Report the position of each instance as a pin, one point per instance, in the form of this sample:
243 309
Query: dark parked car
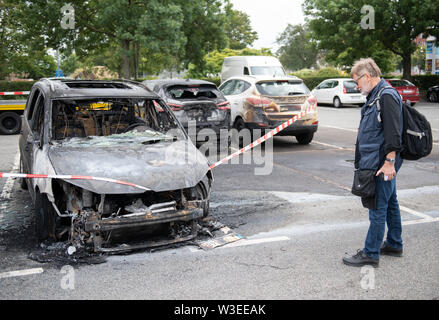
109 129
406 89
196 100
433 94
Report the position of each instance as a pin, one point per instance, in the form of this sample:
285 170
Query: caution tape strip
225 160
67 177
14 93
265 137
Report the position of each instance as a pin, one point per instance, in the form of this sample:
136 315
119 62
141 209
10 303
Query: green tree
238 28
297 50
338 27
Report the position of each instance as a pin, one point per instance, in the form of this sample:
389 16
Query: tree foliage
336 24
297 50
127 36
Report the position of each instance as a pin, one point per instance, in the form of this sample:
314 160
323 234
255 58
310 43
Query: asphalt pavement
297 222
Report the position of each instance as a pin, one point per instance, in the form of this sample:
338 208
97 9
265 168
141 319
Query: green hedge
423 82
6 86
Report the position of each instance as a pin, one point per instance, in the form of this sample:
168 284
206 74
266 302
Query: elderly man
377 148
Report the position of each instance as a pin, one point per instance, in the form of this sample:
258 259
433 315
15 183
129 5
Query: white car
338 92
265 102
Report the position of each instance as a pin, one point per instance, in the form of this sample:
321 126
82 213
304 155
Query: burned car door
32 132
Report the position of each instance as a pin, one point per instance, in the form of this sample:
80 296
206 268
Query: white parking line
19 273
415 213
9 184
332 145
339 128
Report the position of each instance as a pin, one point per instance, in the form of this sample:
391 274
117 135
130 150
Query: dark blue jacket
369 152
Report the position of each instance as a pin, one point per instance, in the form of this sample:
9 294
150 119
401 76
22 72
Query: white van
251 66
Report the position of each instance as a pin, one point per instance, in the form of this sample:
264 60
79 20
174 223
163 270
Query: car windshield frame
401 83
280 84
152 122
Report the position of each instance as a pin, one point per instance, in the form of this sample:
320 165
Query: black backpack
417 138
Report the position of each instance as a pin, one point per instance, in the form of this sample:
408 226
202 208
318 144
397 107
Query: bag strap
377 100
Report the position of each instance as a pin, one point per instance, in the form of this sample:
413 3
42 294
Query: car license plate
407 91
355 97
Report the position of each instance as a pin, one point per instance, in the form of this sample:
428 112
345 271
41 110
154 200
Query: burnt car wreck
118 130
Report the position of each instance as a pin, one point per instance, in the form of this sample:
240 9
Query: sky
269 18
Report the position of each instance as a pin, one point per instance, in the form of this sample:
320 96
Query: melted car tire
44 217
10 123
305 138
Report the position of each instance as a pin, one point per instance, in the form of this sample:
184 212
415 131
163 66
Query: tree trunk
126 59
407 66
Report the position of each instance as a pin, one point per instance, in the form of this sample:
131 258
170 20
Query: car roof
339 79
173 82
255 79
71 88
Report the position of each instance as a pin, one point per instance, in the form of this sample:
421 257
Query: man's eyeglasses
359 79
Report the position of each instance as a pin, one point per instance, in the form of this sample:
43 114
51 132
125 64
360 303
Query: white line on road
339 128
413 212
9 184
20 273
332 145
409 222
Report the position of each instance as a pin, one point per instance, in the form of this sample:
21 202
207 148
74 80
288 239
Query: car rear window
401 83
282 88
180 92
351 87
265 70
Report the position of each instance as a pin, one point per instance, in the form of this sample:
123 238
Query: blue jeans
387 210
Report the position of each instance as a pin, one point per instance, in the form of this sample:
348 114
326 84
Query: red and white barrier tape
226 159
265 137
73 177
14 93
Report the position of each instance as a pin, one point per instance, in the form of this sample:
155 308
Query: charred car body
109 129
195 100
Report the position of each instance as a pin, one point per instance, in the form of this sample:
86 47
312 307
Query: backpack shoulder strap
377 101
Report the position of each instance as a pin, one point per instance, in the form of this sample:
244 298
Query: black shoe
361 259
390 251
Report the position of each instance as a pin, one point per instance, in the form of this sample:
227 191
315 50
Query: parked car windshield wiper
293 93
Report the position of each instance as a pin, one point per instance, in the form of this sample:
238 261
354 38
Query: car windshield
192 92
265 70
401 83
282 88
351 87
100 122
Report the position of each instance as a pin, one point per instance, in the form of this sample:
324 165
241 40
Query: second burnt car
112 130
265 102
195 100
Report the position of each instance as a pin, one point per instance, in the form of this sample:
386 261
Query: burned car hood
157 165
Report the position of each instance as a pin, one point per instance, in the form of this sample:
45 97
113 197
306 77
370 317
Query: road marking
9 184
20 273
410 222
246 242
339 128
332 146
415 213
